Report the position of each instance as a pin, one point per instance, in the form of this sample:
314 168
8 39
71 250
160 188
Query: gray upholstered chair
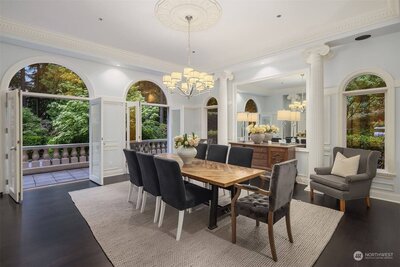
350 187
268 206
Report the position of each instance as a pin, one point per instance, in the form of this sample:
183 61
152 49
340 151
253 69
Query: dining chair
240 156
177 193
217 153
135 175
268 206
201 151
150 181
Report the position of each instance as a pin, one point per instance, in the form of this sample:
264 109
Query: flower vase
268 137
257 138
187 154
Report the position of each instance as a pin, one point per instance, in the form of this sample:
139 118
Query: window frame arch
255 103
9 74
389 91
129 85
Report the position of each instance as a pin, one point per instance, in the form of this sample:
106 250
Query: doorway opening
147 118
54 125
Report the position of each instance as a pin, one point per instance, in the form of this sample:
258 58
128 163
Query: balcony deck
53 178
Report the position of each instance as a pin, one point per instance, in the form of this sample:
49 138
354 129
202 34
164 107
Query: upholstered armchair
268 206
349 187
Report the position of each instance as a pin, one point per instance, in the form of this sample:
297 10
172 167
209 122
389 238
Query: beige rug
130 238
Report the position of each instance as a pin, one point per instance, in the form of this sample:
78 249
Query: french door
96 141
133 123
13 145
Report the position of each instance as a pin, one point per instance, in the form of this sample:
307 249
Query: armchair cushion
344 166
323 170
331 181
357 177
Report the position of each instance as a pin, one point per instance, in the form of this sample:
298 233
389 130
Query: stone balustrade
47 158
153 146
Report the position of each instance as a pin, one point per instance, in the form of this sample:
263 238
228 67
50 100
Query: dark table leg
212 224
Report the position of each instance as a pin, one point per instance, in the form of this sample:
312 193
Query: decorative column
315 106
223 107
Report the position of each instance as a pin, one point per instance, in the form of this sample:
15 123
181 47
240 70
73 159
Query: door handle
13 148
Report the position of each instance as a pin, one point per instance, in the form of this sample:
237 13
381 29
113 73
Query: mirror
270 97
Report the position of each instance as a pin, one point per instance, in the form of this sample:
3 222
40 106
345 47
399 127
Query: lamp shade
242 116
283 115
253 117
294 116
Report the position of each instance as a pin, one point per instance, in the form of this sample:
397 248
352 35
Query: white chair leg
130 192
139 197
144 198
160 221
180 224
157 211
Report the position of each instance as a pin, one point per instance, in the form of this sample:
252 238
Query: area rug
130 238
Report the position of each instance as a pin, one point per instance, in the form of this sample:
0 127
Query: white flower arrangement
270 128
255 129
186 140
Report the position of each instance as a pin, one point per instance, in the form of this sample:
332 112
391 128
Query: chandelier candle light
191 82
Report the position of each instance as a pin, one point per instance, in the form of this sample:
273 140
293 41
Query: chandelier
299 105
190 82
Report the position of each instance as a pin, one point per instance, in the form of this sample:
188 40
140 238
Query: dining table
218 175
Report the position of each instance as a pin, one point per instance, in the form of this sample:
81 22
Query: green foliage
212 133
366 142
33 132
134 94
365 81
70 121
152 128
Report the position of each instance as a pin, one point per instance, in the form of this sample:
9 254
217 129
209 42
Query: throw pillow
345 166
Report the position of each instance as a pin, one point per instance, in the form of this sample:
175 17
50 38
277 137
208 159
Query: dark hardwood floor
48 230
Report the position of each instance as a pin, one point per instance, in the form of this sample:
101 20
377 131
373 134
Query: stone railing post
25 160
65 156
74 155
35 158
46 158
82 154
56 157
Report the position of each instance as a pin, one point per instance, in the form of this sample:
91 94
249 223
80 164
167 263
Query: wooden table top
221 174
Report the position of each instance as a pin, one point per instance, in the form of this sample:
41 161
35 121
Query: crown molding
28 36
348 27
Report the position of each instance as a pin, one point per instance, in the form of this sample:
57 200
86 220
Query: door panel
133 125
96 141
13 145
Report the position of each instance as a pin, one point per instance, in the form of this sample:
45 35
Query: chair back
171 183
135 175
217 153
201 151
368 159
149 173
240 156
282 184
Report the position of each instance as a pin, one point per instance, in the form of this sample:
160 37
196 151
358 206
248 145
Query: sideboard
266 155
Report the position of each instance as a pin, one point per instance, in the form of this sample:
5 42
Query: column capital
224 75
321 51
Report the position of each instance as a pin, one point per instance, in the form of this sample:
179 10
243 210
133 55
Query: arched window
146 91
251 106
154 117
48 120
49 78
365 104
212 120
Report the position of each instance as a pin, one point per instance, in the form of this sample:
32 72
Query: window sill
385 174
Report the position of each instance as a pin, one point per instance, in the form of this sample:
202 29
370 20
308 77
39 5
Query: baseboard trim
386 196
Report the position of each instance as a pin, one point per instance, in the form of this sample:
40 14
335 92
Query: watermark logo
358 255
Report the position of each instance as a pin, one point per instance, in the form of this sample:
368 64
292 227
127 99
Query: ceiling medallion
172 13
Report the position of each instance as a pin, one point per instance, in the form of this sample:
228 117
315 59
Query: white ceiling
247 29
294 83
